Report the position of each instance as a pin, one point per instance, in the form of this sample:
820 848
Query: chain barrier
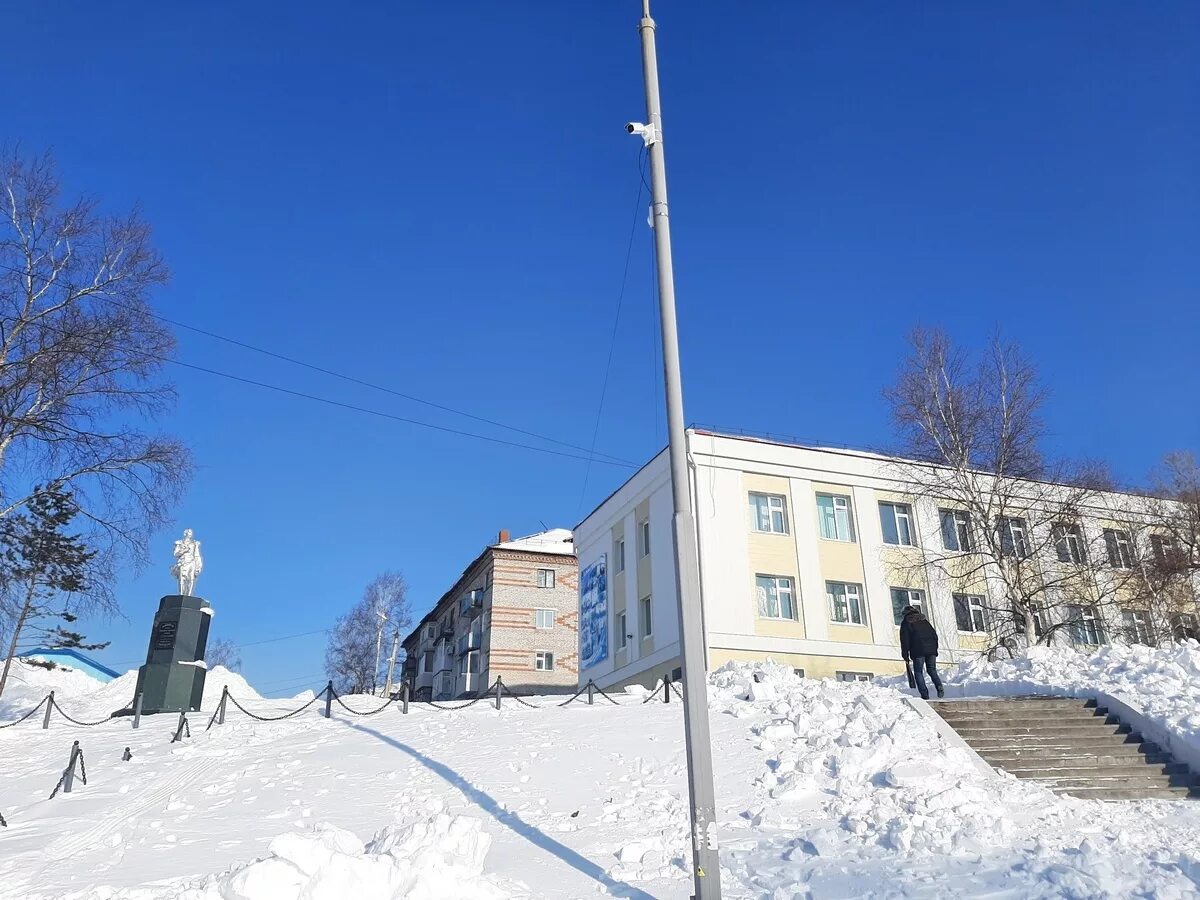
3 824
82 768
355 712
456 708
595 689
26 716
675 688
653 695
294 712
76 721
506 689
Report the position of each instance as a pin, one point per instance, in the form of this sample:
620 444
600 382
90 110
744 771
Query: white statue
188 563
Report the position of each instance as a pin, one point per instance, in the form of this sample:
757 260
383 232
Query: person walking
919 644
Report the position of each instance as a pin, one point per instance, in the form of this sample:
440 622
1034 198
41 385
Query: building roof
58 652
557 540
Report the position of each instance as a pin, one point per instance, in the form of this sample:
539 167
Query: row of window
835 521
543 661
645 623
643 543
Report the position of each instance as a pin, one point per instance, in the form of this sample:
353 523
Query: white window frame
643 538
840 504
1068 541
1118 540
775 504
620 555
545 578
537 617
646 616
543 660
963 540
852 594
899 512
782 585
1016 530
1084 622
622 630
915 597
1136 625
975 604
1181 623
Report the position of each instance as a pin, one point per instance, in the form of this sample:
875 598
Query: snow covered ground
825 790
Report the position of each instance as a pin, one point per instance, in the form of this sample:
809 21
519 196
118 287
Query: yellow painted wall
813 666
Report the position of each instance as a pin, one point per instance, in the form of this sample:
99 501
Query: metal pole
705 863
328 697
404 698
49 709
497 692
69 775
221 708
387 691
590 686
378 650
137 710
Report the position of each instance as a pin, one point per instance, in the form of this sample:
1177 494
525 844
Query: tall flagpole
706 867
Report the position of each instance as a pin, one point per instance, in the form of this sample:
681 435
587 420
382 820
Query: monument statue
188 563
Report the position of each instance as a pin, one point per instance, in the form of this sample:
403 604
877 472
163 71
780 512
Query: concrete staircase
1070 745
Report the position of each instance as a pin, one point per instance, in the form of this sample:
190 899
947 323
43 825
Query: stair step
1045 703
1099 726
1122 793
1087 717
1096 770
1118 780
1114 756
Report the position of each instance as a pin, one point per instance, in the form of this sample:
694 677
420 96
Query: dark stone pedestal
179 636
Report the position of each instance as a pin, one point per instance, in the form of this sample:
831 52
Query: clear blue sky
438 197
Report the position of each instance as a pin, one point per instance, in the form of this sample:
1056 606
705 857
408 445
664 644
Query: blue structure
72 659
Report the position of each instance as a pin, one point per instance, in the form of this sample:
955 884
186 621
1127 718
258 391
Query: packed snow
825 790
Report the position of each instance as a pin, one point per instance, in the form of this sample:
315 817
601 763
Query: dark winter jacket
917 637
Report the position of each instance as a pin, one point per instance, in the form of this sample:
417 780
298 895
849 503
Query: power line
349 378
612 343
286 637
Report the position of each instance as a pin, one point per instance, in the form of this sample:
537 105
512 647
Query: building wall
725 472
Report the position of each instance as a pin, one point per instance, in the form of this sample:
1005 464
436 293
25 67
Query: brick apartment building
513 613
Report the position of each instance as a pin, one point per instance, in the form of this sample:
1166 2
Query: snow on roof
556 540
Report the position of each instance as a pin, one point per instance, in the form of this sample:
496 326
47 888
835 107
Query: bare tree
356 642
1011 521
81 358
223 652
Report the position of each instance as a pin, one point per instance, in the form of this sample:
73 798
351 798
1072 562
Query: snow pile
438 859
1163 682
28 685
859 787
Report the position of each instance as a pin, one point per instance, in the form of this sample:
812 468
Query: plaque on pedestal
173 676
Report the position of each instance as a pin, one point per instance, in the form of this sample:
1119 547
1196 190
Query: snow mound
438 859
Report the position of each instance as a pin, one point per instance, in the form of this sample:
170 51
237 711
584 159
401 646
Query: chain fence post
126 756
590 687
404 698
666 689
221 708
179 729
498 688
328 698
49 709
69 775
137 710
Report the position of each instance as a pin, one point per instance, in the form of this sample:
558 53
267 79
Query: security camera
648 133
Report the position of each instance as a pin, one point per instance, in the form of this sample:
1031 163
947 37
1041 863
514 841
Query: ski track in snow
818 797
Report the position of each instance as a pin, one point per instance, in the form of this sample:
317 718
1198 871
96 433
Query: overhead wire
349 378
612 344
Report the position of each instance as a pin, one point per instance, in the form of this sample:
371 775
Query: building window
677 673
1166 550
845 603
623 634
799 673
620 555
896 519
430 631
775 598
854 676
470 664
543 618
545 578
1068 543
1136 624
1120 549
1183 627
1014 538
543 661
644 538
646 611
902 597
428 661
956 530
768 513
970 615
1085 625
833 511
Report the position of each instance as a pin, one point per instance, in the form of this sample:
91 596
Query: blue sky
438 197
